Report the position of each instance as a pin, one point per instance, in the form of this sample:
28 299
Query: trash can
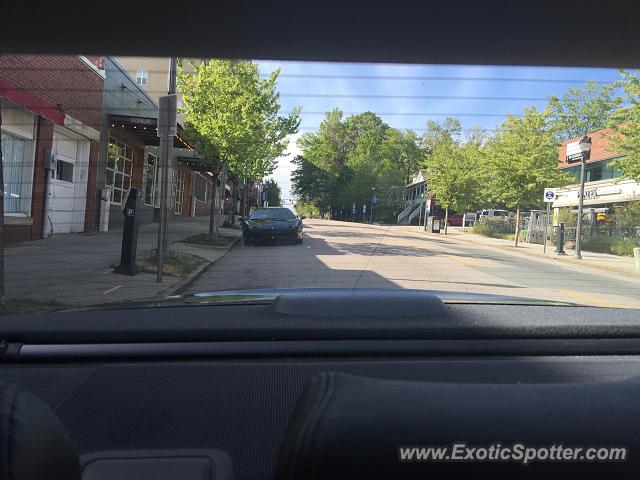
433 224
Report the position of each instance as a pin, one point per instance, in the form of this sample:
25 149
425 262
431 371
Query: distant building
413 197
152 75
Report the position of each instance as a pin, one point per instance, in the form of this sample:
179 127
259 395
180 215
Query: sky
392 91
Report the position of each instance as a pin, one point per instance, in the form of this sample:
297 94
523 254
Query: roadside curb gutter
186 282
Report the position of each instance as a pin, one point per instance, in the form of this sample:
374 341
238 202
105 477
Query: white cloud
282 173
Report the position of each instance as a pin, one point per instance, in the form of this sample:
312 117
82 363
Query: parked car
495 213
272 223
455 219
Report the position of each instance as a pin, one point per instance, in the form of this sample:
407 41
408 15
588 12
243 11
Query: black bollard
129 235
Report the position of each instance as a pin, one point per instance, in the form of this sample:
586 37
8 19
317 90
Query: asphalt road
350 255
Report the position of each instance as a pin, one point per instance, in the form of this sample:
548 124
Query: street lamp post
585 149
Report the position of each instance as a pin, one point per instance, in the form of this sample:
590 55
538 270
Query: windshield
454 179
272 214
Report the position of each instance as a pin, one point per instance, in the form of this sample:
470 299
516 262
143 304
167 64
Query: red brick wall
137 169
65 80
600 147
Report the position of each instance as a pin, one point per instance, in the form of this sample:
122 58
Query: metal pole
580 205
426 214
546 223
165 161
162 227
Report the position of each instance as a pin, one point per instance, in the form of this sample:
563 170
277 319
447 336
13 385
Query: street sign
549 195
374 199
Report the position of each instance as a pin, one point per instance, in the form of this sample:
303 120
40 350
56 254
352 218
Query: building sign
574 154
608 192
590 194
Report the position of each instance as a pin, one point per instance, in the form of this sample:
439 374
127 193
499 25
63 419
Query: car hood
267 296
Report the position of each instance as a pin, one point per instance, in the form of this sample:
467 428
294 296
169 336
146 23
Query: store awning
146 130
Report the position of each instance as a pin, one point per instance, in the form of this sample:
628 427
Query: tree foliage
232 116
582 110
520 160
274 193
238 112
347 158
626 123
453 169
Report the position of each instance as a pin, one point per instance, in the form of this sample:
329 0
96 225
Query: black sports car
272 223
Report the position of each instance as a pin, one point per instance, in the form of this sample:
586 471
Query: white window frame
142 76
154 183
180 184
28 159
110 173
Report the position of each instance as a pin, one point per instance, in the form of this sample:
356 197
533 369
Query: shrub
613 245
483 229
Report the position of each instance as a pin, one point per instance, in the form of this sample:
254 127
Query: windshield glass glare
272 214
468 181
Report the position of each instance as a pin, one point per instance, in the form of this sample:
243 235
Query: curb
551 257
185 283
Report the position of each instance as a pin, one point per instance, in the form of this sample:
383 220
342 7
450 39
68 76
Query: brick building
50 133
77 133
129 156
604 185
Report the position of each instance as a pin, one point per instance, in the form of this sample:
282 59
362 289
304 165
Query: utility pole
167 130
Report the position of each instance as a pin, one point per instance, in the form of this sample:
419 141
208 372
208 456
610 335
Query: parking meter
129 235
560 239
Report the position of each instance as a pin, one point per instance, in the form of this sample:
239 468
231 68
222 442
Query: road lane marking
111 289
592 299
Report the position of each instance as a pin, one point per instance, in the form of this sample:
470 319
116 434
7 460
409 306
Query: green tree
233 115
583 110
452 175
274 193
435 133
626 123
346 159
520 161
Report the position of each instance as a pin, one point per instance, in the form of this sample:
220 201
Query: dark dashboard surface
262 322
243 406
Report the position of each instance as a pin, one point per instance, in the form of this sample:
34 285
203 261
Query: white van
495 213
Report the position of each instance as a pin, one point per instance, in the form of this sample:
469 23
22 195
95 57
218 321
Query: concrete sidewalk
601 261
76 269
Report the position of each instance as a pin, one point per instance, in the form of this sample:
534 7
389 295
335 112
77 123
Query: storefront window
119 168
18 168
608 172
200 189
594 172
